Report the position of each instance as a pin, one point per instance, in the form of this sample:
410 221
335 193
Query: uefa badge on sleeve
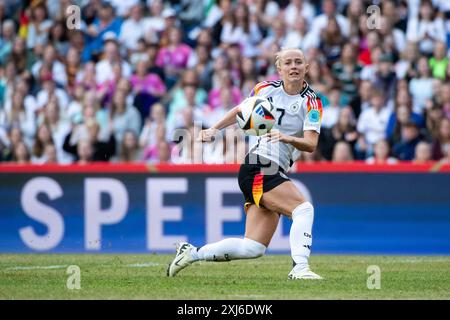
314 116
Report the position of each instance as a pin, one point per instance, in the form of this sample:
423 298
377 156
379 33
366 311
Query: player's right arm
228 119
230 116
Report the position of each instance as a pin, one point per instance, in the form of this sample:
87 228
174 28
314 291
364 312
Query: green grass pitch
44 276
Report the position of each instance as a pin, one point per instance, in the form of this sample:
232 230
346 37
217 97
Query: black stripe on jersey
275 83
306 89
313 96
265 84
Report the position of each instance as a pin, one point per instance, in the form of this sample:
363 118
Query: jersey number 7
281 115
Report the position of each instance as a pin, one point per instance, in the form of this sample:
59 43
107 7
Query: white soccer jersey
293 113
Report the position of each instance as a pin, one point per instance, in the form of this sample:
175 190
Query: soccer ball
255 116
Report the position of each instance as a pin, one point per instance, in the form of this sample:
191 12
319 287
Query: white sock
300 237
229 249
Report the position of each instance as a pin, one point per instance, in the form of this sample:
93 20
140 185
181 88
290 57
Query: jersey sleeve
314 111
257 89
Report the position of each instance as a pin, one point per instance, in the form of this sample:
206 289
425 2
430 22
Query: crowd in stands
135 80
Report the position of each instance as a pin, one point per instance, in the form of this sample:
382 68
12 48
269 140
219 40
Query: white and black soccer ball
256 116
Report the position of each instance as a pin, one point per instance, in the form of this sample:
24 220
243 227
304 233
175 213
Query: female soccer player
262 179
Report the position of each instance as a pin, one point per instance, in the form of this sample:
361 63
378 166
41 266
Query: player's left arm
308 143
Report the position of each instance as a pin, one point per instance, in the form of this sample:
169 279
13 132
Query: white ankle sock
300 236
230 249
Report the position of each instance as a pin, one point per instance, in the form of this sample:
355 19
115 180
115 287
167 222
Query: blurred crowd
134 80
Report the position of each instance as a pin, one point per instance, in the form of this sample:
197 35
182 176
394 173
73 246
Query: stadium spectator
170 22
381 154
299 36
249 75
7 36
422 153
214 96
319 76
410 138
332 109
50 154
164 152
58 38
173 57
342 152
427 28
372 123
276 36
105 25
446 158
147 87
368 41
201 61
329 10
20 57
362 100
39 26
396 37
143 82
72 67
129 150
21 154
5 152
191 14
86 77
214 18
421 87
264 11
385 78
152 149
444 99
42 139
439 61
154 21
84 152
402 114
433 117
17 116
347 73
371 67
298 9
53 68
133 28
49 91
331 41
405 67
441 140
91 148
179 100
123 117
353 14
104 69
157 118
343 130
240 27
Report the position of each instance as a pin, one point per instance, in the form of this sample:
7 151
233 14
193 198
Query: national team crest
294 107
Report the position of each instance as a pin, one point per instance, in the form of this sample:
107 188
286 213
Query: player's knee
253 248
305 208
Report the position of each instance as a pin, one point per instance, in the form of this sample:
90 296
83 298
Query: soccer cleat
182 259
304 273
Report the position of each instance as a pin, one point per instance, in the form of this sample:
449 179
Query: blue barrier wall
357 213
